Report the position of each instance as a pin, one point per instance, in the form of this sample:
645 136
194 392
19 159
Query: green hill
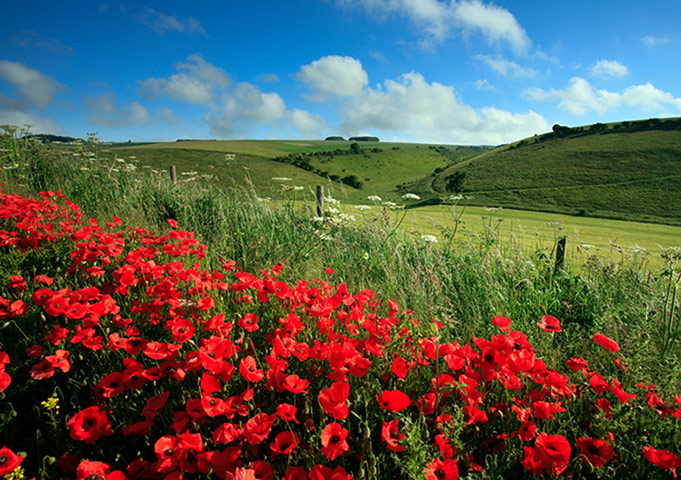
626 170
350 170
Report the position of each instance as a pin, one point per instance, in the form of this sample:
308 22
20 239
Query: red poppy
393 400
5 380
442 469
334 440
9 460
392 436
249 370
549 323
287 412
662 458
249 322
285 442
608 343
502 323
89 425
295 473
334 400
258 428
577 364
553 451
90 469
595 451
399 367
527 431
111 385
295 384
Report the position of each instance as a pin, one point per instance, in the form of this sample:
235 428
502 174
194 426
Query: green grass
614 173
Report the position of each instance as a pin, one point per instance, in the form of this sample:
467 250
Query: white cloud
308 124
606 69
20 118
199 82
161 22
652 40
433 113
105 111
483 84
580 98
334 76
507 68
438 19
495 23
268 78
34 88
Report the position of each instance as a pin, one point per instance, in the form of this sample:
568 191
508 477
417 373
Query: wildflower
248 369
393 400
374 198
9 460
429 238
89 425
334 440
389 204
549 323
362 208
594 451
551 453
334 400
391 435
285 442
442 469
662 458
52 403
411 196
282 179
607 343
502 322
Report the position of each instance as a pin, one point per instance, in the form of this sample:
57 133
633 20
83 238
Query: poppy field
126 354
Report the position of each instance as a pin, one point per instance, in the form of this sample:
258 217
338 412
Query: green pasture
509 230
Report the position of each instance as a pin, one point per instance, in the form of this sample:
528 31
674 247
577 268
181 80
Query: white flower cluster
362 208
282 179
429 238
374 198
411 196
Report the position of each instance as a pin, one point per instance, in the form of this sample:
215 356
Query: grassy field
614 172
161 337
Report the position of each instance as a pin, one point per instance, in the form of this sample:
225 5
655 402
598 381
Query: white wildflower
389 204
374 198
282 179
429 238
411 196
492 209
361 208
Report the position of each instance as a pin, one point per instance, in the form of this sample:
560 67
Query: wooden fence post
173 174
320 201
560 254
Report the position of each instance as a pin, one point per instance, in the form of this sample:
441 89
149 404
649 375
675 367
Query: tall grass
461 286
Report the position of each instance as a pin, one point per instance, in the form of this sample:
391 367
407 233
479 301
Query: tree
354 148
455 182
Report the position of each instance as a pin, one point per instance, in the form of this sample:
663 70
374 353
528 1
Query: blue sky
448 71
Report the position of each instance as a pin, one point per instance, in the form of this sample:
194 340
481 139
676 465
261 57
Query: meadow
179 330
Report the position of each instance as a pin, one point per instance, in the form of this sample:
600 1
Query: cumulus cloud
438 19
161 22
334 76
198 82
105 111
433 112
580 98
308 124
39 124
653 40
606 69
34 88
507 68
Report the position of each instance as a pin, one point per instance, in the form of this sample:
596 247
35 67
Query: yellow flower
51 403
16 474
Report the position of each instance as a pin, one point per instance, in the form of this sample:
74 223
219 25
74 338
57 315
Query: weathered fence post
560 254
320 201
173 174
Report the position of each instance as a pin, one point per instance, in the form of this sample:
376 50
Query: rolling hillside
627 170
275 168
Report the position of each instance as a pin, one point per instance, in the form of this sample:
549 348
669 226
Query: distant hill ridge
629 170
